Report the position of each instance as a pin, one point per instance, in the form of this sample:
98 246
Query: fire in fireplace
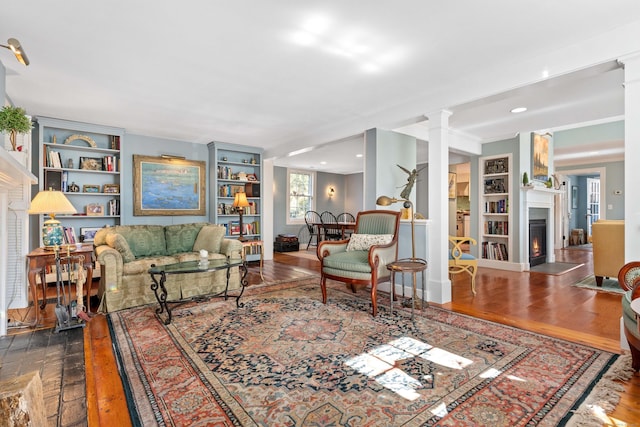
537 241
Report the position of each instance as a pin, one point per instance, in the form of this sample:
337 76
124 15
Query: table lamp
51 202
240 202
387 201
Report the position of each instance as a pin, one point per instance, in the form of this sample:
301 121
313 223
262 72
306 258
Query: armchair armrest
111 267
381 255
329 247
232 248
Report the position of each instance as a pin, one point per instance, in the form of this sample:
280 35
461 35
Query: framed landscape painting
540 157
172 186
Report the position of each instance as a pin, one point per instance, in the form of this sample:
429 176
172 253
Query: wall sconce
331 192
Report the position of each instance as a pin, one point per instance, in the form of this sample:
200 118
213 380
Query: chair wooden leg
374 299
473 272
323 286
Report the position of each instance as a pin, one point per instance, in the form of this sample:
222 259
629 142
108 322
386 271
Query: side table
408 265
249 245
40 258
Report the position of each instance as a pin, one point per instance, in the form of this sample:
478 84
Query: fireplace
537 241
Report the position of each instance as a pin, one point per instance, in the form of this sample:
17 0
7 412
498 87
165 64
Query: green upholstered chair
629 279
462 262
361 260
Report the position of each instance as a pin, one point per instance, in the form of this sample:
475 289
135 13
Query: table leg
261 260
161 296
34 292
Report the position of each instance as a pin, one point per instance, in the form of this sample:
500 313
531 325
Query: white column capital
438 118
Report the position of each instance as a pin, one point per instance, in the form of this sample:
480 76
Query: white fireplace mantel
541 198
15 185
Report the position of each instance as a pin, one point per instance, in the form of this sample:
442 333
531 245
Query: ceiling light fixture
14 46
519 110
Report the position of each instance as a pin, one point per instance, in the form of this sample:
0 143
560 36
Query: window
300 190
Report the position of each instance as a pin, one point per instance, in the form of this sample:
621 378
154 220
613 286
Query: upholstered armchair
629 279
361 260
608 248
462 262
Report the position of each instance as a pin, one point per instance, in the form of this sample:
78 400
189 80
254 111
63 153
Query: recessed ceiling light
323 163
519 110
358 155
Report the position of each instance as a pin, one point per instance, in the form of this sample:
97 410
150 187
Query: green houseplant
14 120
525 179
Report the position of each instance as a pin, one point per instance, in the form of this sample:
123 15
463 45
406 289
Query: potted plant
525 179
15 121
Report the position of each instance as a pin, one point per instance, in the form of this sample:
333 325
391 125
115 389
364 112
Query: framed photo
111 188
91 163
88 188
540 157
165 186
452 185
95 209
88 233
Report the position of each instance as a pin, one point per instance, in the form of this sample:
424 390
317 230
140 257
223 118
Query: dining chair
314 225
346 217
460 261
332 230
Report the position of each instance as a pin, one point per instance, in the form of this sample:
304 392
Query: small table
408 265
40 258
249 245
159 276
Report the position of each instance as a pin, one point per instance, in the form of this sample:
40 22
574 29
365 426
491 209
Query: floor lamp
240 202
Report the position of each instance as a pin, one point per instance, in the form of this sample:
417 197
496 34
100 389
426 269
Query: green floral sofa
126 252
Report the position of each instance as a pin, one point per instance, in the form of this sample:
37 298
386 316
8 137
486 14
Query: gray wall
149 146
348 194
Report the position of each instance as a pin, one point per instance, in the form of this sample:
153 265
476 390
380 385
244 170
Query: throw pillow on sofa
210 238
119 243
180 238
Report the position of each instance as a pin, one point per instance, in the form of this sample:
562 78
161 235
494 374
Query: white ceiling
292 75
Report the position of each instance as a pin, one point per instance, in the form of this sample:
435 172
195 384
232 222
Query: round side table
413 266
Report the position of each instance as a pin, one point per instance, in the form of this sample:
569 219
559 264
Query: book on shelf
115 142
234 227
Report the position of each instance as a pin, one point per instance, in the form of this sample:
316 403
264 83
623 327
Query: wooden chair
346 217
332 230
629 279
462 262
374 244
313 221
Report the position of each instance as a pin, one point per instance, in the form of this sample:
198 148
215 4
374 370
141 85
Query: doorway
593 203
573 216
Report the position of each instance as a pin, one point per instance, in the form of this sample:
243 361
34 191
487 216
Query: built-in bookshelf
495 212
236 168
83 161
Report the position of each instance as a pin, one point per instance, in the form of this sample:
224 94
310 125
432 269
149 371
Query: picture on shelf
95 209
91 163
89 188
111 188
88 233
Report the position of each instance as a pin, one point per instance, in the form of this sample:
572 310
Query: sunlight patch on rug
287 359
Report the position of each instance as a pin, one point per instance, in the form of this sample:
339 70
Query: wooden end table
40 258
247 244
413 266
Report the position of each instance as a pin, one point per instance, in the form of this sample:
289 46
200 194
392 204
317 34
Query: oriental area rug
286 359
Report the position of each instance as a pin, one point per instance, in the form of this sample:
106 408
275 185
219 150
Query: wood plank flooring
533 301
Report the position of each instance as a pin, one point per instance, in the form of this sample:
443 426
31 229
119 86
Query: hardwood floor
533 301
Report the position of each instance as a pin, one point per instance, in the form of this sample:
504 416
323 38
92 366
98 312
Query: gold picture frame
94 209
111 188
171 186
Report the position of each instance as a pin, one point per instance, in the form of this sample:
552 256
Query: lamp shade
52 203
240 200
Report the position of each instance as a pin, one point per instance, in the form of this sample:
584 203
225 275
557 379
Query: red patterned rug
286 359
